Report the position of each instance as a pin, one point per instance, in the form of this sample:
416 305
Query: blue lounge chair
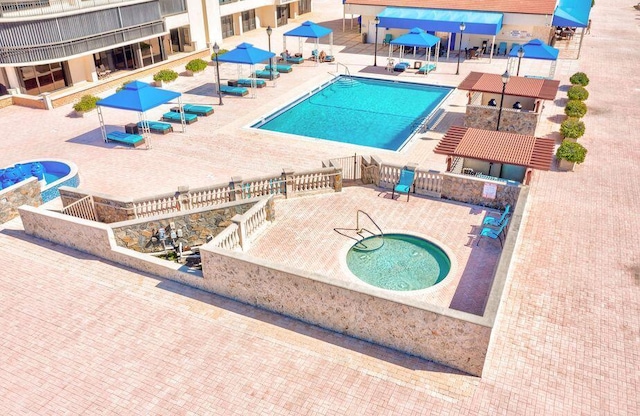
265 74
157 127
248 82
497 222
387 39
199 109
514 45
295 59
314 55
237 91
134 140
425 69
405 183
401 66
280 68
175 117
502 48
494 233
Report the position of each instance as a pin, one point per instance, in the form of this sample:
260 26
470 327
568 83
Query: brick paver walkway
83 336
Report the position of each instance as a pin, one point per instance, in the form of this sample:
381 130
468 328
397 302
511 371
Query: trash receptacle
364 37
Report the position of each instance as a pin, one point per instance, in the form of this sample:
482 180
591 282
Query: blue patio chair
502 48
497 222
514 45
387 39
405 183
494 233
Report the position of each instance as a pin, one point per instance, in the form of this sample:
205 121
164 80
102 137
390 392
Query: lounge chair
387 39
175 117
199 110
157 127
401 66
496 234
405 183
248 82
295 59
497 222
425 69
514 45
265 74
502 48
237 91
280 68
314 55
134 140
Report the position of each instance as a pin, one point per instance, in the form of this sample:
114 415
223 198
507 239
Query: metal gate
351 167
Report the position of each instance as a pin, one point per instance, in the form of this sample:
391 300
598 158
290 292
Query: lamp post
520 55
216 49
269 31
375 46
505 79
462 28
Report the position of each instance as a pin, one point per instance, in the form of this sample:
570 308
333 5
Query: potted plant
572 129
578 92
164 76
195 66
569 154
86 103
575 108
579 78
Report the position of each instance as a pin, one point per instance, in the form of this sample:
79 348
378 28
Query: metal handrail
346 68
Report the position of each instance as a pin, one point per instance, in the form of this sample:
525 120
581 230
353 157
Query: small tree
220 52
575 108
86 103
196 65
165 75
579 78
571 152
572 128
578 92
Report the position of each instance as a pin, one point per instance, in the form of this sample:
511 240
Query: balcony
15 10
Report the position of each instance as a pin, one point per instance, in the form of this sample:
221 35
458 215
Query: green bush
165 75
571 152
220 52
196 65
575 108
86 103
578 92
572 128
579 78
121 87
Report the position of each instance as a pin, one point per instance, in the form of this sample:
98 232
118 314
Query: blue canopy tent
536 49
436 20
138 96
573 13
311 30
246 54
416 38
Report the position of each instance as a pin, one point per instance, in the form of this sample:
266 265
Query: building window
43 78
248 20
227 26
304 6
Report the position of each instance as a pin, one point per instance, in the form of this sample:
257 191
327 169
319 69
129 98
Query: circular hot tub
400 262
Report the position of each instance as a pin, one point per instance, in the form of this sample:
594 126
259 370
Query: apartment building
49 45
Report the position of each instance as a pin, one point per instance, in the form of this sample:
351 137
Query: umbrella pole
144 127
182 121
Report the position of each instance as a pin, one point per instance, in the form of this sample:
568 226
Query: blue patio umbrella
311 30
247 54
137 96
536 49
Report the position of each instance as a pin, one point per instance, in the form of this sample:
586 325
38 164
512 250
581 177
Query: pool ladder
362 233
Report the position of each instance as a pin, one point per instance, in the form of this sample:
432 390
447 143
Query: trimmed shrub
86 103
196 65
575 108
578 92
220 52
121 87
571 152
579 78
572 128
166 75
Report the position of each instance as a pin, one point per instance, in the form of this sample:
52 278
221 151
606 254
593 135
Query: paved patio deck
85 336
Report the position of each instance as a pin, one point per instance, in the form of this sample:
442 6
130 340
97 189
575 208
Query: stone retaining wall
26 192
513 121
468 189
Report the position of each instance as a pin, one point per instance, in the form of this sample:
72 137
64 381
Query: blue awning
481 23
536 49
572 13
246 53
309 29
138 96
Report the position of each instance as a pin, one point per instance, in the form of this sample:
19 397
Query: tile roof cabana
544 89
496 147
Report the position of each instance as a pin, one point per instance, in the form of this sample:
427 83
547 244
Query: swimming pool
51 173
399 262
362 111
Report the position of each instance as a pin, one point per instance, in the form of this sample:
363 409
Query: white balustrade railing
82 208
254 188
207 197
255 218
314 181
228 239
161 205
428 183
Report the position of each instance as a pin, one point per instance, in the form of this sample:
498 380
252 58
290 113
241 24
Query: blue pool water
399 262
52 174
362 111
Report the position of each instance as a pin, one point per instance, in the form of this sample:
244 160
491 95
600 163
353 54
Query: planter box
565 165
82 113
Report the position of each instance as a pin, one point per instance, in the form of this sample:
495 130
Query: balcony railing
32 8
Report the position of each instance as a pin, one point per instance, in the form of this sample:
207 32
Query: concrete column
237 219
46 97
236 188
287 175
